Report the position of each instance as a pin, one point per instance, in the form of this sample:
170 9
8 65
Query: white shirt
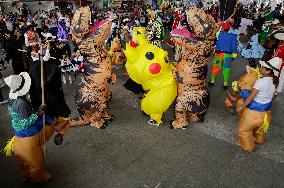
266 90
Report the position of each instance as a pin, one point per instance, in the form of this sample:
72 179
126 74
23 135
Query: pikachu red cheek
155 68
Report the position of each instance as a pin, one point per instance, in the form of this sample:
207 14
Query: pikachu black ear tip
138 33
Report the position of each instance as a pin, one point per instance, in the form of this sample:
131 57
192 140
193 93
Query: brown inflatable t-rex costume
193 97
93 96
253 125
116 52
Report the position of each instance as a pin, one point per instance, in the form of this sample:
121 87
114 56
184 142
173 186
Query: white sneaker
2 83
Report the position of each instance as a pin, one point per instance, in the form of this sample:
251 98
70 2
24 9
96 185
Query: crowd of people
92 43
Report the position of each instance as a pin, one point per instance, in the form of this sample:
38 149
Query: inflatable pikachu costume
148 65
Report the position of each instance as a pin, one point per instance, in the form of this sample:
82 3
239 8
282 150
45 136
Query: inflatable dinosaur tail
8 148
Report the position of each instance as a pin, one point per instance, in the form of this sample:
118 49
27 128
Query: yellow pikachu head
146 61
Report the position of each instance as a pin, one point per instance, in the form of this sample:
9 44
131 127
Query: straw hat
19 84
274 64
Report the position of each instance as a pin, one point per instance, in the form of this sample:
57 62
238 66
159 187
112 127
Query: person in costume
279 52
29 131
224 55
62 33
253 51
116 51
13 45
57 107
256 109
193 97
78 62
147 65
64 53
155 29
93 96
66 69
227 9
270 47
53 26
32 38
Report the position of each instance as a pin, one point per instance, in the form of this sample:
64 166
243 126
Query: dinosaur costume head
146 61
89 38
201 25
80 23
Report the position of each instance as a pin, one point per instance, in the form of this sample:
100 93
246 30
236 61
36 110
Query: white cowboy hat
279 36
19 84
274 64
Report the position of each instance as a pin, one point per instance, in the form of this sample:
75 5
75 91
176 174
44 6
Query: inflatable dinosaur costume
193 97
116 52
253 125
93 96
